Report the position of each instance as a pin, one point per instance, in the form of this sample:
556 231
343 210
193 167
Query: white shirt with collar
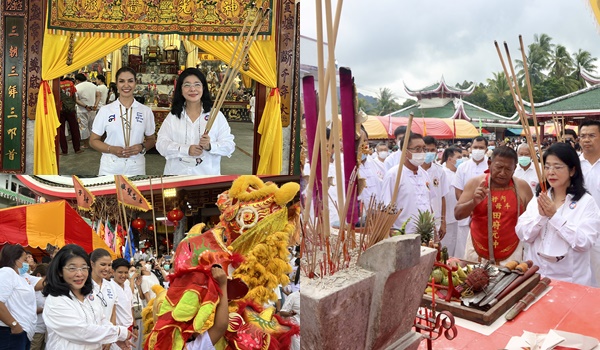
109 120
450 196
106 296
19 297
439 186
124 303
392 160
529 176
414 194
465 172
369 172
176 135
591 177
77 325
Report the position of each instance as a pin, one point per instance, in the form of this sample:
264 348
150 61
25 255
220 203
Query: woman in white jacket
562 225
73 319
182 139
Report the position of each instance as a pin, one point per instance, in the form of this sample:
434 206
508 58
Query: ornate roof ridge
439 87
589 77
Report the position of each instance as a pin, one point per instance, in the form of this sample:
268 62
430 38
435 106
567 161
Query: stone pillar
371 305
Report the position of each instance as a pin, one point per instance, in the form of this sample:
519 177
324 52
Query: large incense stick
153 214
512 84
529 90
162 188
235 63
402 158
538 169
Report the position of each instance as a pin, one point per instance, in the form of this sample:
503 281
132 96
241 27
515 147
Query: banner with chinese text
202 19
85 198
13 122
129 195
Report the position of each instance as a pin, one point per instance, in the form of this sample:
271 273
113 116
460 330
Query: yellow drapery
263 68
192 54
115 64
271 151
54 57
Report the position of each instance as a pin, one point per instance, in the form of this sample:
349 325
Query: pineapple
425 226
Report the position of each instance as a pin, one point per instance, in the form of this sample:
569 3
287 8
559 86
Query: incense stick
529 90
153 213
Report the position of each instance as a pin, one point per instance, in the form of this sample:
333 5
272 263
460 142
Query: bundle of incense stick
237 59
559 132
516 95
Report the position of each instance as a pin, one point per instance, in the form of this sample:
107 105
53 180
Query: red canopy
424 126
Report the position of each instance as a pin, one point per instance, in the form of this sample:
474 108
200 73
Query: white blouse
570 234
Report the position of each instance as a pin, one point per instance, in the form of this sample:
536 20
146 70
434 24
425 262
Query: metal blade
499 288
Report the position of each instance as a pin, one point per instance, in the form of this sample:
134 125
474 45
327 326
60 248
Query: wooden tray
480 316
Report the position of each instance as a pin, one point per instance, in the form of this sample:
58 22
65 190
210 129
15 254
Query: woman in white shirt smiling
104 289
562 225
74 321
182 139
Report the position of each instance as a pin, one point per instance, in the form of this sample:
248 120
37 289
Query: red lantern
150 227
175 215
138 223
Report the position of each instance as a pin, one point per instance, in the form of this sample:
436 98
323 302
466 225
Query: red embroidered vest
504 219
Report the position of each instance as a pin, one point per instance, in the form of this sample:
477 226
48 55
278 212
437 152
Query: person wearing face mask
393 159
476 165
382 152
368 171
451 159
506 197
17 300
148 280
439 184
525 171
415 192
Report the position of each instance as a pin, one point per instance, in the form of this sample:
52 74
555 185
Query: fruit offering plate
480 316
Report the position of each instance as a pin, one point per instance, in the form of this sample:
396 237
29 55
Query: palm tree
583 59
497 87
386 101
561 63
544 43
537 64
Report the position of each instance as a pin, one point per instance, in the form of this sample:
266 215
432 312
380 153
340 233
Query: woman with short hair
562 225
73 319
17 300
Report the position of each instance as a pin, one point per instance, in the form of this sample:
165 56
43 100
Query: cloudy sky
388 42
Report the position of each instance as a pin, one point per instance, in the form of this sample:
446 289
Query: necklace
185 114
126 123
81 304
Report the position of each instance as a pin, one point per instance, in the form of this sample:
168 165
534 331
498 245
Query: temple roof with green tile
579 104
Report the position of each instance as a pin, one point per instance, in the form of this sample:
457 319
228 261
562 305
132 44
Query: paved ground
88 162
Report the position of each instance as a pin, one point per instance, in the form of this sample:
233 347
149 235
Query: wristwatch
143 151
14 324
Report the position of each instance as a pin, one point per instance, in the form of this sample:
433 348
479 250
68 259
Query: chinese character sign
12 114
85 198
129 195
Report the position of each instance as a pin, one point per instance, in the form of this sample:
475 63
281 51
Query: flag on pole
109 235
119 240
424 127
129 195
480 127
100 230
454 127
85 198
129 246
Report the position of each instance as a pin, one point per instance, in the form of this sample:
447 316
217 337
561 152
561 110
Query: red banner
129 195
85 198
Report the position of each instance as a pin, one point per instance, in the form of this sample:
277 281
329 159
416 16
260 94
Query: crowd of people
113 122
77 300
487 200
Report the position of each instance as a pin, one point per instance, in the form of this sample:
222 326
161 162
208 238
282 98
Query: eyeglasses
101 296
417 150
187 86
554 167
74 269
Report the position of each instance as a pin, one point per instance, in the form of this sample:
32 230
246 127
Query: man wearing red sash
509 198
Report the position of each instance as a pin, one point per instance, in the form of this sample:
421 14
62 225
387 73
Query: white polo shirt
105 296
529 176
19 297
591 177
414 194
465 172
108 120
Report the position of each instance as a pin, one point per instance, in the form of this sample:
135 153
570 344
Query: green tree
583 59
536 63
497 87
561 63
386 102
366 106
407 103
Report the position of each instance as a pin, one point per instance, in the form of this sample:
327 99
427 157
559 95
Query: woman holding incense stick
129 128
182 138
562 225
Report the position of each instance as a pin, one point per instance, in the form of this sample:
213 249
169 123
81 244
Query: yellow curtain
192 53
271 143
262 56
263 68
54 57
247 81
116 64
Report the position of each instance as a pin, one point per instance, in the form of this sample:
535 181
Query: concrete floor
88 162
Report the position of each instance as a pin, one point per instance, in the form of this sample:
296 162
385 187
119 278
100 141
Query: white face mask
131 274
417 159
383 154
478 154
148 267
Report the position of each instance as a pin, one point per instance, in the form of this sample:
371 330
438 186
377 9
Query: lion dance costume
250 243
